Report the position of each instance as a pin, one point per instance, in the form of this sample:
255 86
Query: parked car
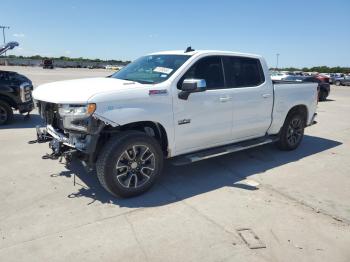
113 67
341 80
48 64
185 106
329 75
345 81
278 75
94 67
15 94
323 84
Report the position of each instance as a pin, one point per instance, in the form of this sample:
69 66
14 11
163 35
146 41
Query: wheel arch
151 128
8 100
301 109
283 142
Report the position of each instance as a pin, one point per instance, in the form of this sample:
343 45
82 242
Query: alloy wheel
295 131
135 166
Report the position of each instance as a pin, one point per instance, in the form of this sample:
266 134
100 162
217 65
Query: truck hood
80 90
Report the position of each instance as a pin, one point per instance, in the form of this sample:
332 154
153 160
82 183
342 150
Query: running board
222 150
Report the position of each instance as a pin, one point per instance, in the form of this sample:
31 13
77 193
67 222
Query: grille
49 112
26 92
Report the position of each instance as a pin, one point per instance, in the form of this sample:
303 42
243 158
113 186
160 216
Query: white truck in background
184 105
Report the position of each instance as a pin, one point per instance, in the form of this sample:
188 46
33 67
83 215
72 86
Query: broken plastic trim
42 136
105 120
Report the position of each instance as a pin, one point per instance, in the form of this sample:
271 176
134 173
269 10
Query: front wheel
6 113
292 132
337 83
129 164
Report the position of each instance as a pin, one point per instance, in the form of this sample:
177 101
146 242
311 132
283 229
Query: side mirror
192 86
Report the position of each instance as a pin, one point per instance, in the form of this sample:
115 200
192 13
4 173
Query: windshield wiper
138 81
147 82
132 80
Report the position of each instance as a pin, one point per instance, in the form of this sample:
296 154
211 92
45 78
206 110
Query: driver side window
209 69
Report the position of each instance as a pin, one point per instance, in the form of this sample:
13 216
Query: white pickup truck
185 105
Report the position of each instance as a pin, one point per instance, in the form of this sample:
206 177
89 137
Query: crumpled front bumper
67 144
25 107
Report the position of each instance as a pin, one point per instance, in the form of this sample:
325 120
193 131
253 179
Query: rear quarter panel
289 95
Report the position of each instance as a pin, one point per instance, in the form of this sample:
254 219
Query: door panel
252 108
205 119
252 97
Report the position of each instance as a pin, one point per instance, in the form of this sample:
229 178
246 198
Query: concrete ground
296 203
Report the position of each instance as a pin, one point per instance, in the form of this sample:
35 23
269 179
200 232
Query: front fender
136 105
123 116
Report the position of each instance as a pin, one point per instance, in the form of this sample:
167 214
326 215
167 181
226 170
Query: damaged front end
70 129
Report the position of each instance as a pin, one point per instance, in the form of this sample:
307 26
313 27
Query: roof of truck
199 52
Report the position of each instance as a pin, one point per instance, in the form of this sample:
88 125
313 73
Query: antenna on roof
189 49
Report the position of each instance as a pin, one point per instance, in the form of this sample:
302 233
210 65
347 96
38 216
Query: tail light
324 79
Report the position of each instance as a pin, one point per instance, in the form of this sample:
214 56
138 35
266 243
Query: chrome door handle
225 98
266 95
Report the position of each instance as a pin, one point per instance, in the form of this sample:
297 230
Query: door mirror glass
194 85
191 86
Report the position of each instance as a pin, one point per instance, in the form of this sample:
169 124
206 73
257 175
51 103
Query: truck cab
180 105
15 94
47 64
15 91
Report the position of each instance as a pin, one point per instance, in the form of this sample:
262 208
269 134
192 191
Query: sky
304 33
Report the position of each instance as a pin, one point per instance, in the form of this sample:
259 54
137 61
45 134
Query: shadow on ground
327 100
183 182
22 121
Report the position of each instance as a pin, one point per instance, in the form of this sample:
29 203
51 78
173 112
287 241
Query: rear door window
243 72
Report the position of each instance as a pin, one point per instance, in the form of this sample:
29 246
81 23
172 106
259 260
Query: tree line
70 59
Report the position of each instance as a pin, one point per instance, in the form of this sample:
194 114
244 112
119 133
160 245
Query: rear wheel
130 164
6 113
337 83
292 132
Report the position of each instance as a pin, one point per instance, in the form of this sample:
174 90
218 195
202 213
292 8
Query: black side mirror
192 86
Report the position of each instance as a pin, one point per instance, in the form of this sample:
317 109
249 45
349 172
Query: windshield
151 69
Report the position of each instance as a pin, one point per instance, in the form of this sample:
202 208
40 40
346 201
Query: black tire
337 83
322 96
6 113
128 151
292 132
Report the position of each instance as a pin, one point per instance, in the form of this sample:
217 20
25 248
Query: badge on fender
157 92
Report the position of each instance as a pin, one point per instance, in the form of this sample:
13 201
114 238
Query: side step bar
222 150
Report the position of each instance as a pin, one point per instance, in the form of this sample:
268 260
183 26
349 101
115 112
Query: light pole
3 33
277 56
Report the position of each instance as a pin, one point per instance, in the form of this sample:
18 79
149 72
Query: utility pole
277 56
3 33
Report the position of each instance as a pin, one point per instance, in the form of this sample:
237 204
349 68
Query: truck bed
288 94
